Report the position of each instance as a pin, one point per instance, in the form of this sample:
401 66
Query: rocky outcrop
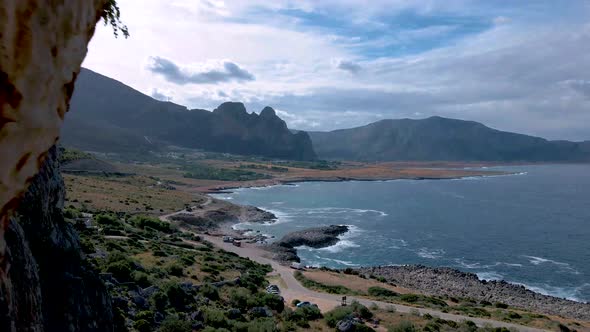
51 283
454 283
318 237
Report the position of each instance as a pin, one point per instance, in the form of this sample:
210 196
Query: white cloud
203 73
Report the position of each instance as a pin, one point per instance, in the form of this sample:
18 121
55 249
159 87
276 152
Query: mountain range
441 139
108 116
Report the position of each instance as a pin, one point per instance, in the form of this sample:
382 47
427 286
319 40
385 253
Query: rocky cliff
51 288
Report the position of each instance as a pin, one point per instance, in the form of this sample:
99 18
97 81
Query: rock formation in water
284 250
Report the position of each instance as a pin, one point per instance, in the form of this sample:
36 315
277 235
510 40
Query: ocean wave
477 265
570 293
489 276
345 240
430 253
565 267
398 243
338 210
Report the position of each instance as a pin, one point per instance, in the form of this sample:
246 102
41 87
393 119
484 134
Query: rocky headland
454 283
284 250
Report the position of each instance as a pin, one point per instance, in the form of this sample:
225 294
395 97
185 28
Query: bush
150 222
142 326
501 305
215 318
403 326
175 270
121 270
295 302
209 292
173 324
107 219
177 296
332 317
274 302
159 301
238 298
141 278
381 292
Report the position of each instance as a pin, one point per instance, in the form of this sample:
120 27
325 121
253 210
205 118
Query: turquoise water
532 228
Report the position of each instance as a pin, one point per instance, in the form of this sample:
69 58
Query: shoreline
294 182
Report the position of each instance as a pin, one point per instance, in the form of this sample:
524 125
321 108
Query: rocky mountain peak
231 108
268 112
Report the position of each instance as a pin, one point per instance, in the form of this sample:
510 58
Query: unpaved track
327 302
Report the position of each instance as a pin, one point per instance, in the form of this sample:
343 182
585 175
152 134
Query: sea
530 228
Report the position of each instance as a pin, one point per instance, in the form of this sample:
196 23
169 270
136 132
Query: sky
520 66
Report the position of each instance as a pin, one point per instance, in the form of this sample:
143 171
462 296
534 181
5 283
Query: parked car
237 243
228 239
306 304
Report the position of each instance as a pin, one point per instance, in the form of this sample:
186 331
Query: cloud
204 73
160 95
499 20
349 66
580 86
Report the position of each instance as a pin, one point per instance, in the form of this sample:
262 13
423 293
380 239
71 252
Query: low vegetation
222 174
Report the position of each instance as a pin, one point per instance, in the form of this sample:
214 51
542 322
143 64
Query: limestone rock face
42 45
51 286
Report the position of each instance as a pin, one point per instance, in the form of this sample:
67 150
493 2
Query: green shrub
501 305
403 326
175 270
159 301
332 317
238 298
295 302
121 270
107 219
215 317
72 213
141 278
273 302
209 292
381 292
142 326
144 222
173 324
177 297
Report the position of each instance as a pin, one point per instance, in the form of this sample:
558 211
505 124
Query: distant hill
443 139
108 116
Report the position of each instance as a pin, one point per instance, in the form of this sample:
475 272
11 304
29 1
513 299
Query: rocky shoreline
455 283
284 250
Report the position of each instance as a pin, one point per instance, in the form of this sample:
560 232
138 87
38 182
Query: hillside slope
444 139
108 116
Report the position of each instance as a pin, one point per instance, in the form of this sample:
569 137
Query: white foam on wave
338 210
570 293
541 260
478 265
398 243
430 253
345 240
489 276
